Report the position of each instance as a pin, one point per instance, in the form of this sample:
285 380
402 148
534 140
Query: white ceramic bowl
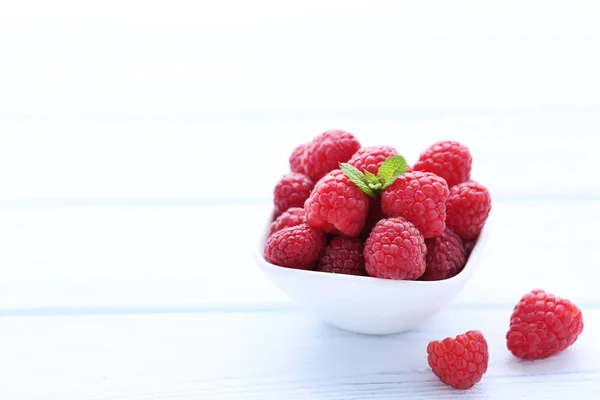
366 304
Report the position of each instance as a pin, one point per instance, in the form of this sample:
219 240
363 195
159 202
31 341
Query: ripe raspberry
343 255
448 159
445 257
459 362
373 217
542 325
395 250
469 245
327 150
292 217
297 159
337 205
467 208
371 158
291 191
419 197
295 247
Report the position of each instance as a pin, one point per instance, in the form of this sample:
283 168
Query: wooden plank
145 258
264 355
518 154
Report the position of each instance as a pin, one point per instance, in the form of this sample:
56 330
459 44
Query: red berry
291 191
295 247
445 256
467 209
448 159
373 217
371 158
343 255
337 205
420 197
459 362
297 159
327 150
395 250
292 217
542 325
469 245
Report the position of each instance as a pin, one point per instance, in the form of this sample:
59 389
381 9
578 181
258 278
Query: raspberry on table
395 250
543 325
291 191
447 159
467 209
343 255
292 217
336 205
459 362
295 247
445 256
420 197
297 159
327 150
371 158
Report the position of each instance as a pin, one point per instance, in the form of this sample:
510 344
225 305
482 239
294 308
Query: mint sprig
373 180
371 184
391 169
358 178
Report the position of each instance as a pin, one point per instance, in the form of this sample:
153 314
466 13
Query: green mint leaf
373 181
371 178
358 178
391 166
391 169
376 187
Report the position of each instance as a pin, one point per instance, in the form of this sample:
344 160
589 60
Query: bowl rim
465 274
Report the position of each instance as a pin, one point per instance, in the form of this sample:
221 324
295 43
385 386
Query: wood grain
124 281
528 154
137 303
269 355
103 259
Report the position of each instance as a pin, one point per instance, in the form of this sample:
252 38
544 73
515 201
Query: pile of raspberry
355 210
347 209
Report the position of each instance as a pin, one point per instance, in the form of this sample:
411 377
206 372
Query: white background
131 100
189 56
140 141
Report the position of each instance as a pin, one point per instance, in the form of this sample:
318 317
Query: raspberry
469 245
327 150
295 247
395 250
373 217
445 256
291 191
337 205
467 208
371 158
292 217
297 159
419 197
459 362
343 255
448 159
542 325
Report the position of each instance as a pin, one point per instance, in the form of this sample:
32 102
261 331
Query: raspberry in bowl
379 272
366 304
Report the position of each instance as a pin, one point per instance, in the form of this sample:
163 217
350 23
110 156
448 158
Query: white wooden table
154 294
